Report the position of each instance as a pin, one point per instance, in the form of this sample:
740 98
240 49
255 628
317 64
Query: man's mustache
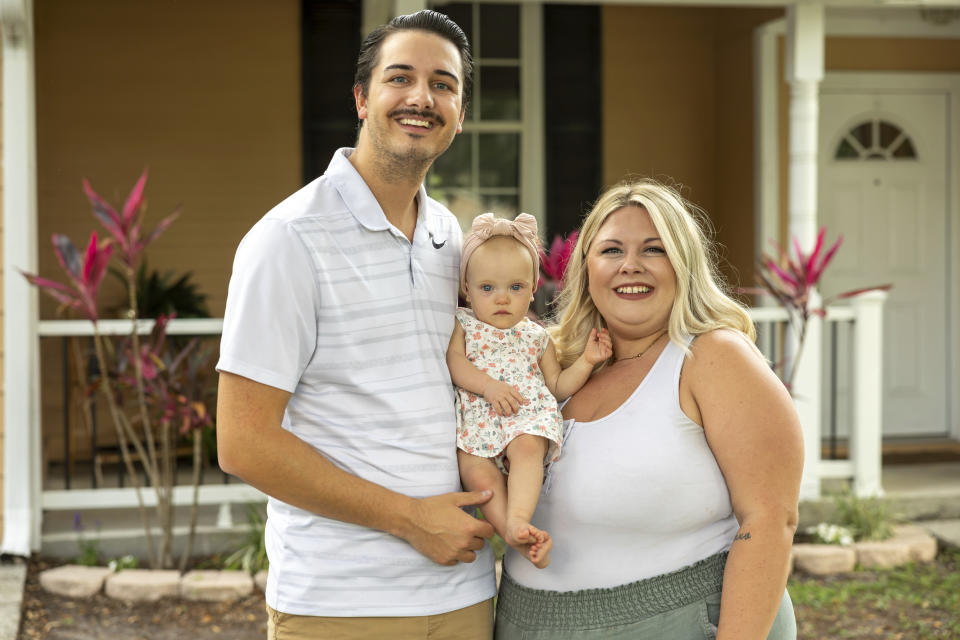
423 115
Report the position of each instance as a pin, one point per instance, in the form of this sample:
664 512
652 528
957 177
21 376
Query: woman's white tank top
635 494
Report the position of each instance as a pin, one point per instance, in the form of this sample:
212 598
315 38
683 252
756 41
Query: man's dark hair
425 20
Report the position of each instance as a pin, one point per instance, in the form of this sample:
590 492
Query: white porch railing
222 495
862 467
865 314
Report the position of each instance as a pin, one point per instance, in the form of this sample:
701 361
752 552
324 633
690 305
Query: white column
21 407
805 33
375 13
866 441
532 162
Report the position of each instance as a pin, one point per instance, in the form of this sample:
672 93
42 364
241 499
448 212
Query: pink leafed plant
791 280
169 384
125 227
553 264
85 275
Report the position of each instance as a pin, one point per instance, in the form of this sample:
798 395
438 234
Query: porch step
947 532
12 575
912 492
902 451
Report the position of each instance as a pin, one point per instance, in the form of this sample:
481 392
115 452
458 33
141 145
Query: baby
509 379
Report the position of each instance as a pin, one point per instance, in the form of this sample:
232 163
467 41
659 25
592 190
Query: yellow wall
678 105
892 54
204 93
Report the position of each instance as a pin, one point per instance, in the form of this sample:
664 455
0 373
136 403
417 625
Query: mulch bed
887 613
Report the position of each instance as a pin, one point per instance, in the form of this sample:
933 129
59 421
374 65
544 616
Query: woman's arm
504 398
753 430
563 383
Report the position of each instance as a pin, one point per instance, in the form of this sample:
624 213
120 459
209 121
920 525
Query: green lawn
913 602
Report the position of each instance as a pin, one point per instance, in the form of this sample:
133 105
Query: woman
674 503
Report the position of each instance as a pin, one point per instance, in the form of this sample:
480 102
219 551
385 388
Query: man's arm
252 445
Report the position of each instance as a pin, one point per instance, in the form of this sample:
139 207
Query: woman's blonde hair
700 303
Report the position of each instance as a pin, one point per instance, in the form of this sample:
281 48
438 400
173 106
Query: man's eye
397 80
443 86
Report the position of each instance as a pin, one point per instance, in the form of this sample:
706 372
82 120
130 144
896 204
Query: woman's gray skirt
683 605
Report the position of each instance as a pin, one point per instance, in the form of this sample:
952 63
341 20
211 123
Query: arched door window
876 139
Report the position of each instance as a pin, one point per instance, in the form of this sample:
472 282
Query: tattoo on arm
742 536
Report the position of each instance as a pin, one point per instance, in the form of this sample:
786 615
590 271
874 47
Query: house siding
205 95
678 105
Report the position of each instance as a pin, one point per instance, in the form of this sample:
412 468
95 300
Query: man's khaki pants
471 623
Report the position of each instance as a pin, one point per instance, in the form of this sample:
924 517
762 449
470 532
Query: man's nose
420 95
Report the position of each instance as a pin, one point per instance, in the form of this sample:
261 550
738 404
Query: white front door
883 186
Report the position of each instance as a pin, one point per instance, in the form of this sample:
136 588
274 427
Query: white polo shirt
332 303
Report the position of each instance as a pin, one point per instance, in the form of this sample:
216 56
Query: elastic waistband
626 604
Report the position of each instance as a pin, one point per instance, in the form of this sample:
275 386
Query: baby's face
498 279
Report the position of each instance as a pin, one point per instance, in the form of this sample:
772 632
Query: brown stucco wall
205 93
678 105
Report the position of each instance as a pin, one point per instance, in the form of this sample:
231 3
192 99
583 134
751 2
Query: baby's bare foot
534 544
540 551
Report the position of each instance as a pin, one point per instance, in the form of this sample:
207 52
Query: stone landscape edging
908 544
147 585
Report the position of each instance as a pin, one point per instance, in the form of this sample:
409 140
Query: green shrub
867 518
251 556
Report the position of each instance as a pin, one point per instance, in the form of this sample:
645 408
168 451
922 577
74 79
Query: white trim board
21 385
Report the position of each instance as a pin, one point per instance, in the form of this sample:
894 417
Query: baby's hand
504 398
599 347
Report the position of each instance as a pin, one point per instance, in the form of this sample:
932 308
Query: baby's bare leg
482 474
526 453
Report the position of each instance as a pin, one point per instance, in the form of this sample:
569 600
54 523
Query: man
334 395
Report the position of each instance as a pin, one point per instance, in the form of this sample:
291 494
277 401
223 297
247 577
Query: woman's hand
504 398
599 347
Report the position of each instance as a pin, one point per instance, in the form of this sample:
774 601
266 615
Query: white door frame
766 177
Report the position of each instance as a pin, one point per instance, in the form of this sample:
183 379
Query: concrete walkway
11 597
947 532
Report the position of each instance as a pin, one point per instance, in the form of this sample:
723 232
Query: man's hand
444 532
599 347
505 398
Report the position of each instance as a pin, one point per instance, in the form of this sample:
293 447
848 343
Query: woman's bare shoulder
723 343
725 352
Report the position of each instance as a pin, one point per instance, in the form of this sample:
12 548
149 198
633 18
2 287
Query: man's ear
463 112
361 101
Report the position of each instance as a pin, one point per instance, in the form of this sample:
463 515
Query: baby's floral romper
512 356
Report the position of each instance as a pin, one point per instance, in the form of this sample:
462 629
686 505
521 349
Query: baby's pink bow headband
523 229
